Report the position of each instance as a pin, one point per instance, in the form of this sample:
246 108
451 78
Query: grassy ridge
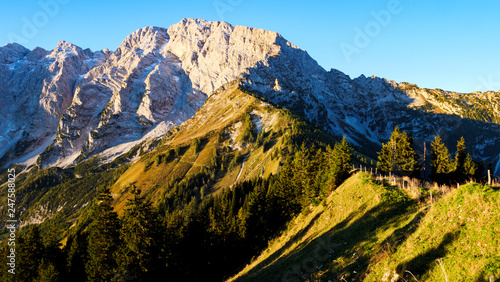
459 238
211 143
369 231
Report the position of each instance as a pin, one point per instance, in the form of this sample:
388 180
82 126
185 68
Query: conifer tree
285 192
256 221
139 244
103 240
29 252
340 163
440 159
301 171
398 154
464 167
52 263
460 156
48 271
470 168
76 252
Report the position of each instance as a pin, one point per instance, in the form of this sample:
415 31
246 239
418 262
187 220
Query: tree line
399 157
188 236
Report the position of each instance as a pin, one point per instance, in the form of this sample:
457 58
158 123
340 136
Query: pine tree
48 271
103 240
303 171
464 167
286 192
76 252
470 168
407 158
440 159
29 252
386 157
340 163
257 226
461 155
139 244
398 154
52 263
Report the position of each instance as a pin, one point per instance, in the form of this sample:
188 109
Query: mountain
210 140
234 137
157 78
235 140
36 89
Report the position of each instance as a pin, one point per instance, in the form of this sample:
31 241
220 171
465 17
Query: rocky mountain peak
145 38
65 50
12 52
92 101
37 54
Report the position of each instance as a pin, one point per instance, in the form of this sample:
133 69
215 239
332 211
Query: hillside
239 138
236 147
234 137
365 231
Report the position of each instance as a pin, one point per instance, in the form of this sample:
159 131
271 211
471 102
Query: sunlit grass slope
214 142
458 240
369 231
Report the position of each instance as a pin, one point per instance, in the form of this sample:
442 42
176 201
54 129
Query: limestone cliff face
157 77
36 88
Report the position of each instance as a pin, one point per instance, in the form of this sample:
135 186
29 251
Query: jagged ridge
159 77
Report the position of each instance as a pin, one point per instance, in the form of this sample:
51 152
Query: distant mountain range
66 105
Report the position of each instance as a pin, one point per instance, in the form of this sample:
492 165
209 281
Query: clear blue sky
452 45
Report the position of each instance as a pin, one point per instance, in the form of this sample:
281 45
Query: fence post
489 177
492 278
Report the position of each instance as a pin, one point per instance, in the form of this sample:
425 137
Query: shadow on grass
297 237
342 242
492 269
421 264
401 234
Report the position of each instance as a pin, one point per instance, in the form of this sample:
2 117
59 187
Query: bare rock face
120 100
36 89
159 77
215 53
